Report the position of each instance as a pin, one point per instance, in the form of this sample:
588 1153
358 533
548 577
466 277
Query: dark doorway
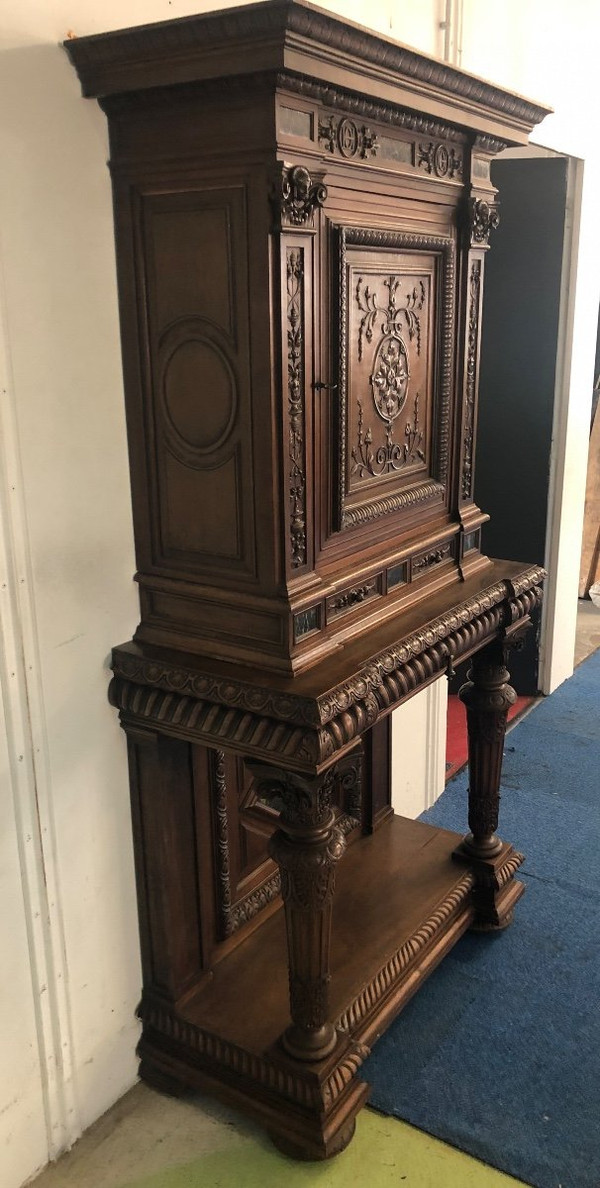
520 328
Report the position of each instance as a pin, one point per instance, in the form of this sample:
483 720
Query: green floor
150 1141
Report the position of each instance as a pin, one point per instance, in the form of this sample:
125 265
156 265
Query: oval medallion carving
199 398
390 376
347 136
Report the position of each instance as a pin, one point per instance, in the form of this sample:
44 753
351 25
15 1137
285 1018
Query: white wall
66 878
419 750
548 49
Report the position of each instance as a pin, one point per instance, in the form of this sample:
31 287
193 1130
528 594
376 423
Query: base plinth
401 904
495 890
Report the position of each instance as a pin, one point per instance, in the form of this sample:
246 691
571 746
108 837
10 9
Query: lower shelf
401 903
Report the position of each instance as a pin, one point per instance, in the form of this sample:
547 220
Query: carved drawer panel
422 563
354 596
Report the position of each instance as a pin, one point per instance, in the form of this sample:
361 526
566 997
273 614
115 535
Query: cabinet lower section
286 914
402 901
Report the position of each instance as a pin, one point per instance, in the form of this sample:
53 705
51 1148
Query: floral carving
390 456
350 782
402 316
393 316
295 341
347 138
471 379
217 767
254 903
309 1000
352 597
433 557
307 871
440 160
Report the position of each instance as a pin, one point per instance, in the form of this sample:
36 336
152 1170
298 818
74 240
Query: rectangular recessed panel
395 150
307 621
199 373
295 122
397 575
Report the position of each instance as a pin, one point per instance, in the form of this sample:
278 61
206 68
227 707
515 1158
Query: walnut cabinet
302 214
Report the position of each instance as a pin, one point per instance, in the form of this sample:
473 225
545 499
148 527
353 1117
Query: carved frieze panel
439 160
347 138
396 303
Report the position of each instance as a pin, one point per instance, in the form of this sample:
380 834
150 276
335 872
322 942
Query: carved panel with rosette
395 294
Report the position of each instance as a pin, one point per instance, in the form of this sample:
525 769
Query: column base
496 891
310 1046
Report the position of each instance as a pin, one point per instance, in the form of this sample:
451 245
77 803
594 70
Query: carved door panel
395 296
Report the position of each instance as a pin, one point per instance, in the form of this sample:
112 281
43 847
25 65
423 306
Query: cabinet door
393 316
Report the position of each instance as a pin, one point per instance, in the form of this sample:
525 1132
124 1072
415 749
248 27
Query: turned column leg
307 846
488 698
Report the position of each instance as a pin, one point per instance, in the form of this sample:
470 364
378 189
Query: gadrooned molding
306 732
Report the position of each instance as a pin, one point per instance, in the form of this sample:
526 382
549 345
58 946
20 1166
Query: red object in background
457 748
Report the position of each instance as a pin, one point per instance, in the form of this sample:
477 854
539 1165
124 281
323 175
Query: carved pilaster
471 378
307 847
219 789
296 412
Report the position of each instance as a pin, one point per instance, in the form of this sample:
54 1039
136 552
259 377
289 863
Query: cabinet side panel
166 862
198 389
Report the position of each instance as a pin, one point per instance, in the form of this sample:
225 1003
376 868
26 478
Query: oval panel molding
199 395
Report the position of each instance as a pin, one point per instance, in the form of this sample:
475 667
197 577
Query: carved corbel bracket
483 218
296 195
304 803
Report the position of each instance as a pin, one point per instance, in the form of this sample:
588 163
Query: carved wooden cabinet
302 212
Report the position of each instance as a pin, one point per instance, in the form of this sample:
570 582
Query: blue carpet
499 1052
